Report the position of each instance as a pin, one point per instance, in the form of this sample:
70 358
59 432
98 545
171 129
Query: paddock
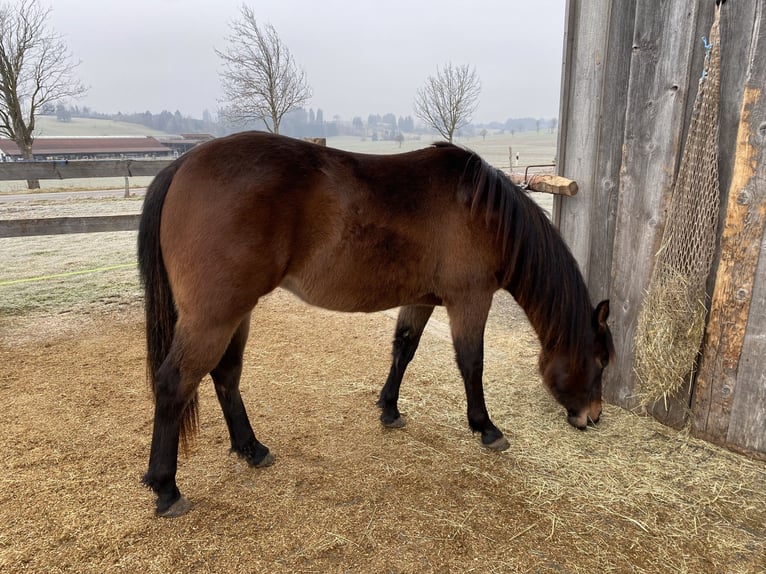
345 494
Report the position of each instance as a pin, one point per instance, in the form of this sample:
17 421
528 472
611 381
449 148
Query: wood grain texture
22 170
546 183
729 400
584 83
64 225
592 156
659 88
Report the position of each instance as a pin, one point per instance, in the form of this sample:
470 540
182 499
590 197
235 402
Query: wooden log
546 183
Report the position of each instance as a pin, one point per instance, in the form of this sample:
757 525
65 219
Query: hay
668 338
346 495
672 317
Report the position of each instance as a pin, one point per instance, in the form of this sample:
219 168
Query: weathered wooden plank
659 86
22 170
673 410
729 385
62 225
585 84
747 423
590 146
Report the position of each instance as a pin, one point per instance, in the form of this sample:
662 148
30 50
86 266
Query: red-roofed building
51 148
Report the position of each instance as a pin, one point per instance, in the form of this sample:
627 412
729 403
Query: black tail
159 305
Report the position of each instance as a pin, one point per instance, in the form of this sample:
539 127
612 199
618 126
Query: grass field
533 147
49 126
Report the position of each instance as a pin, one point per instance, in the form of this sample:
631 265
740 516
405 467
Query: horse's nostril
594 414
579 421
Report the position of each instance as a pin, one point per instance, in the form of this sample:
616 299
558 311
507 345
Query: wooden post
127 186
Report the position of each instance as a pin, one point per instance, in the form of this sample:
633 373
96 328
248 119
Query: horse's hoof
397 423
267 460
499 444
178 508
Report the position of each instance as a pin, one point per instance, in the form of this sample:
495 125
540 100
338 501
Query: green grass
64 273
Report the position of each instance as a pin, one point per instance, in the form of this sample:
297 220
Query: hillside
48 126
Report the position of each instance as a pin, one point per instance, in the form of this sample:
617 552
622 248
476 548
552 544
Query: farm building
54 148
111 147
184 142
662 119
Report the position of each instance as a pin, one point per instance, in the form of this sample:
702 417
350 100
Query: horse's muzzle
589 415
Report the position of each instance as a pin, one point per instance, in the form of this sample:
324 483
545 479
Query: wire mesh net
672 319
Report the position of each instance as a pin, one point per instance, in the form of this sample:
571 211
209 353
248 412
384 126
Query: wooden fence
630 79
19 171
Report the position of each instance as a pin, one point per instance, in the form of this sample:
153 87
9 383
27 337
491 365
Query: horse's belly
355 297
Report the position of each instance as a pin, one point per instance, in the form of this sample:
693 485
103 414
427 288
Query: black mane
541 273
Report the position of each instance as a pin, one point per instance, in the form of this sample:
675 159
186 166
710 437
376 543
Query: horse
236 217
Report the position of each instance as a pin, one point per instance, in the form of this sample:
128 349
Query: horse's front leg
467 322
409 328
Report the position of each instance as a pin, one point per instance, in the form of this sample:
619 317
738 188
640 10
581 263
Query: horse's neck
545 281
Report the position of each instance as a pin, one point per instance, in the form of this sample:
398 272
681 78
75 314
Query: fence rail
71 169
23 170
63 225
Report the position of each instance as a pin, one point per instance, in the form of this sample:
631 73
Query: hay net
671 322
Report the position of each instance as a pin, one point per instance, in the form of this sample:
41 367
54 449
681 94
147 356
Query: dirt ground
345 494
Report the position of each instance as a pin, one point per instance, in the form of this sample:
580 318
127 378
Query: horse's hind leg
193 353
409 328
226 376
170 402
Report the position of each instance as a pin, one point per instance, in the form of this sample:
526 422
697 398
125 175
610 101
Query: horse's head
575 381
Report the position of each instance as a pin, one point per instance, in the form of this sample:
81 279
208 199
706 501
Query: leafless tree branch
448 100
36 69
260 78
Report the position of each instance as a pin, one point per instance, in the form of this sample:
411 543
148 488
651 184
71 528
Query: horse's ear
600 315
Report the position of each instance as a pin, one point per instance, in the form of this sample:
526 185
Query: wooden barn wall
730 395
631 71
596 69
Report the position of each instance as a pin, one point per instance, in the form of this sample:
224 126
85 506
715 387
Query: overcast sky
360 56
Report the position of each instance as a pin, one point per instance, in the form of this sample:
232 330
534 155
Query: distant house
183 143
111 147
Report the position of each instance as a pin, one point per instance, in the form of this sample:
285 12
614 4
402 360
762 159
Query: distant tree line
514 125
299 123
165 121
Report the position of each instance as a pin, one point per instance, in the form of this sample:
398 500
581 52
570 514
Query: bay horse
237 217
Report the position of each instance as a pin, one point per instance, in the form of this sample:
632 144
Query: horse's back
343 231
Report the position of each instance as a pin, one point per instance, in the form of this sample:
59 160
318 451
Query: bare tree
36 70
449 99
261 80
